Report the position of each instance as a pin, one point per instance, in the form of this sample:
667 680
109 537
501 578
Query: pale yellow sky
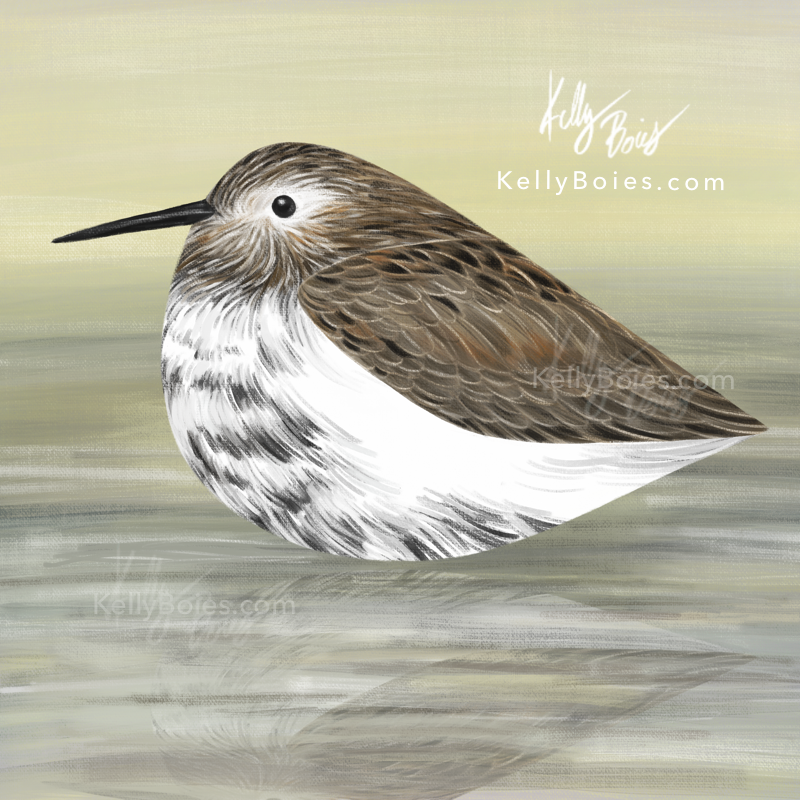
111 110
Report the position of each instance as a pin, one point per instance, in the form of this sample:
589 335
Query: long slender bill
186 214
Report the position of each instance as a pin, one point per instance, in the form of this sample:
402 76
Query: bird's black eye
283 206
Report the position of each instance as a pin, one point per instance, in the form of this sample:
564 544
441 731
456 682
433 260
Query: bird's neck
226 338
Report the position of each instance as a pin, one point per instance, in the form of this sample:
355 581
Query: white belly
293 434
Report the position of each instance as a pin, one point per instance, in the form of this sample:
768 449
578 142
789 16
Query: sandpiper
353 365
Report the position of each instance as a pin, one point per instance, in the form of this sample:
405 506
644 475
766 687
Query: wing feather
482 337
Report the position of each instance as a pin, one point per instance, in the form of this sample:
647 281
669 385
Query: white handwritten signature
581 116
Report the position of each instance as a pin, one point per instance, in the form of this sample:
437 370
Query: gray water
156 646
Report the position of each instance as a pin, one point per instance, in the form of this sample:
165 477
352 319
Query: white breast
290 432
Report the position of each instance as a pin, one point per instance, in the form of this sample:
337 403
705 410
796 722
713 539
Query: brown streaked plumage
455 319
474 332
351 363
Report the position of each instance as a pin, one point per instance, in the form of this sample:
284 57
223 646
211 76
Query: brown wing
477 334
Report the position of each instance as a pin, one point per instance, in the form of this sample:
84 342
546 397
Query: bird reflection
402 685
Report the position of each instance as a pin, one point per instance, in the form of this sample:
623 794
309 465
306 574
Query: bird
353 365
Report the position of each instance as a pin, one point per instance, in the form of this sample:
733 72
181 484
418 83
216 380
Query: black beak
169 218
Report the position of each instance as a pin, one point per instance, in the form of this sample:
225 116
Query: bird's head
286 211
